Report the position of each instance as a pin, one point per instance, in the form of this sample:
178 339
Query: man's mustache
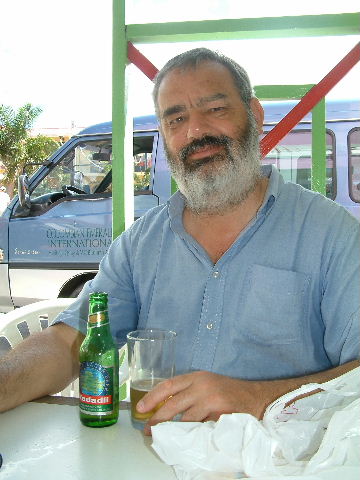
205 141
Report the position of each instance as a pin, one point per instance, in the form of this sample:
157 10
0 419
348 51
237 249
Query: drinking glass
151 357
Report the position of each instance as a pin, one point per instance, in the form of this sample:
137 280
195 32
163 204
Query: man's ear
258 113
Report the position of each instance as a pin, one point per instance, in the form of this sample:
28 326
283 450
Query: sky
57 55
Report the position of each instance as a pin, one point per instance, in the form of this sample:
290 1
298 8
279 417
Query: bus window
292 157
354 164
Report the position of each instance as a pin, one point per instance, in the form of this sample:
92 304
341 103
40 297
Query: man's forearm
274 389
42 364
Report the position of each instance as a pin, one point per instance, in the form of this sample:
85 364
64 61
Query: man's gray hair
194 58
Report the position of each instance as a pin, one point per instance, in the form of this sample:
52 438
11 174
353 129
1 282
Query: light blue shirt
283 301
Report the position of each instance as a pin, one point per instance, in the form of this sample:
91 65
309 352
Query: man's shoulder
150 224
309 205
155 215
144 232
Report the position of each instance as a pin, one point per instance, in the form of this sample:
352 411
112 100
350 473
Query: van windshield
83 168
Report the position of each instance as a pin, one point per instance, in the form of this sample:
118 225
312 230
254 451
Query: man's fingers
193 414
196 413
162 392
182 403
172 407
198 396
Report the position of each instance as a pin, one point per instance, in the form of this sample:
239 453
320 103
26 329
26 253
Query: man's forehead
210 66
208 80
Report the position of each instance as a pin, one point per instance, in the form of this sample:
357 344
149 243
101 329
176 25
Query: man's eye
175 121
217 109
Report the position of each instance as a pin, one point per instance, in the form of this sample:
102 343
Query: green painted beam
281 92
318 127
229 29
119 62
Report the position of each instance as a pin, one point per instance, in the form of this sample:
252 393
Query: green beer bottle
99 368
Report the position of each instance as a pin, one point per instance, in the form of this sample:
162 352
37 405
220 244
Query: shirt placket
210 320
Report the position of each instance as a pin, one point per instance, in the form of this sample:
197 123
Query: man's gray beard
226 182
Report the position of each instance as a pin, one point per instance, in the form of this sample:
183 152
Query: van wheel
77 290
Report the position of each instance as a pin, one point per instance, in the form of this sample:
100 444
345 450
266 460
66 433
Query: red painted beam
138 59
309 100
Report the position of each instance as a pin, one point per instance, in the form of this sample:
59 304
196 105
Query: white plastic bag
299 428
341 442
313 437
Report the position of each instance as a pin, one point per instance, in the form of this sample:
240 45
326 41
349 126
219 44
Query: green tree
37 149
16 146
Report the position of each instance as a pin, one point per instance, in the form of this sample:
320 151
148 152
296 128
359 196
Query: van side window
292 156
354 164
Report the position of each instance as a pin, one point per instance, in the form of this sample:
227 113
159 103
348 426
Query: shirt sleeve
115 279
341 294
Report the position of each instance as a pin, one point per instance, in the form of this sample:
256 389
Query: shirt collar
273 189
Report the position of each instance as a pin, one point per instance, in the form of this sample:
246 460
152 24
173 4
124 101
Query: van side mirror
23 190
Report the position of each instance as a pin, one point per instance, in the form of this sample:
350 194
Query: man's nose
197 127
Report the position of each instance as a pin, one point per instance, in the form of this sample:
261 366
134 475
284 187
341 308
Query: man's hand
202 396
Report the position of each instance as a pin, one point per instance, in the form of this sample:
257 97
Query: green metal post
318 131
174 186
118 116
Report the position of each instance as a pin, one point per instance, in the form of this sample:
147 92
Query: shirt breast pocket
274 305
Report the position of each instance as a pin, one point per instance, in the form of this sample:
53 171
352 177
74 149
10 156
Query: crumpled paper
314 438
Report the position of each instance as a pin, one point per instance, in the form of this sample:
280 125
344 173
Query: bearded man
259 278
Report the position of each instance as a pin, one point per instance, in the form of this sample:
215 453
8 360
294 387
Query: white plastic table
47 441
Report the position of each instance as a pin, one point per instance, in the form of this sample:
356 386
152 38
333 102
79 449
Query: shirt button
216 274
209 326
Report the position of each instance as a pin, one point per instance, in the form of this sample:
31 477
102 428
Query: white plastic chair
18 324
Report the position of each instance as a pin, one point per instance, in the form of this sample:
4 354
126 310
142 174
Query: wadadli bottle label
96 388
